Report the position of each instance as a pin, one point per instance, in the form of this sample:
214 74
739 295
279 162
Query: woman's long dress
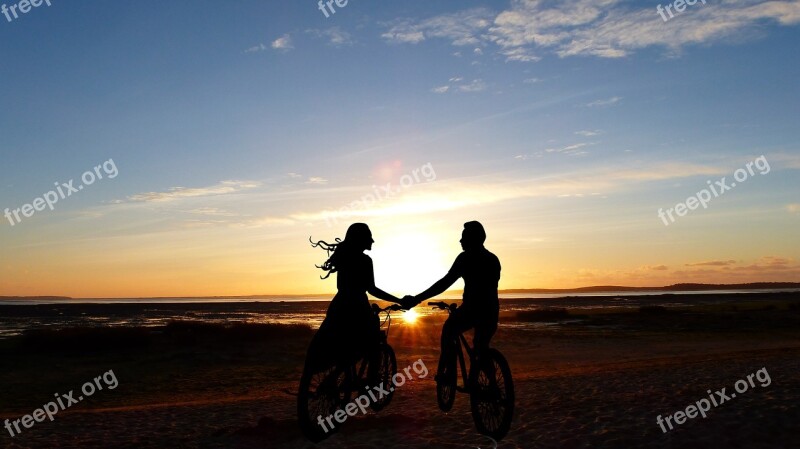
349 325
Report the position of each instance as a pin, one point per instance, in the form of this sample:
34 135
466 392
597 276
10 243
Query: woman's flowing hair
356 234
330 265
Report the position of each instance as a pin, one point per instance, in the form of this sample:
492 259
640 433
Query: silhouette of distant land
669 288
36 298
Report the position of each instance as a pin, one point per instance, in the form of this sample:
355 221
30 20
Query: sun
410 316
408 262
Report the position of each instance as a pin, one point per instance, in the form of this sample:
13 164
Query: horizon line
689 286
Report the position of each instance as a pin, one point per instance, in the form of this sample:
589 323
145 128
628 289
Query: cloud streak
608 102
600 28
177 193
335 36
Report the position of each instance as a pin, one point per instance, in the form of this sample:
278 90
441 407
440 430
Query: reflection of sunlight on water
11 326
15 319
310 320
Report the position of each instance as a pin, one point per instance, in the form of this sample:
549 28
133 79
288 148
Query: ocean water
17 316
327 298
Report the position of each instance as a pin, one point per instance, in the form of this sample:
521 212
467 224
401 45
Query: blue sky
563 125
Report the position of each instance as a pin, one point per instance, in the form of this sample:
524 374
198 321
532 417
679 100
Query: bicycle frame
387 321
491 402
461 345
356 372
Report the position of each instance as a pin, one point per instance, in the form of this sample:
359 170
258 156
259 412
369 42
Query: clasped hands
409 301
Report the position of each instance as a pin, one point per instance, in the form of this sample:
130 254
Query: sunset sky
239 129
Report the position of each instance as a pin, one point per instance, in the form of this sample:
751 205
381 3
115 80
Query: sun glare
410 316
406 263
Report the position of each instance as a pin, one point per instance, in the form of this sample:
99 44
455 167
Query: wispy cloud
457 84
589 132
316 180
712 263
654 268
765 269
335 36
176 193
607 102
404 33
455 194
261 222
601 28
283 43
520 54
212 212
256 48
572 150
461 28
474 86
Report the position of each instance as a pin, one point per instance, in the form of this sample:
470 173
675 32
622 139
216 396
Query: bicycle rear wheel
322 392
492 394
382 368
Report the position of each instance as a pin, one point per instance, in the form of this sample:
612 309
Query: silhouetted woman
349 324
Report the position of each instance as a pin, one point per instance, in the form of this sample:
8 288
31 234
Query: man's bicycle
328 387
489 384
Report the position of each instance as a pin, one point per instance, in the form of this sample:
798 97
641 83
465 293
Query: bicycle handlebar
391 308
443 305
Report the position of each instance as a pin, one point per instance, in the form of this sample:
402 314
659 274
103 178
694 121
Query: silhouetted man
480 309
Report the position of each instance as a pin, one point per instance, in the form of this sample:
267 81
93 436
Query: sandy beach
592 379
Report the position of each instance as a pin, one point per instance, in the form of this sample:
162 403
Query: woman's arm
380 294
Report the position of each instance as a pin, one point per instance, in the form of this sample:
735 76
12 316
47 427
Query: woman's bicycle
326 388
489 384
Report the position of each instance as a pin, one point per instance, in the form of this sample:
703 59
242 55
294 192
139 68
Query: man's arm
438 288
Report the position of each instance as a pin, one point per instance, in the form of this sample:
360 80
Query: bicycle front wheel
492 394
322 392
446 380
